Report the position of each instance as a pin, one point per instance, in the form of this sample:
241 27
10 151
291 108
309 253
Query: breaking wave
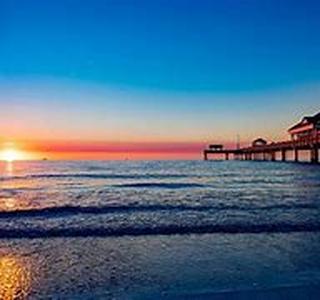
93 176
159 230
58 211
160 185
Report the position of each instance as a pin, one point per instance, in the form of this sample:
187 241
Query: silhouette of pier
305 136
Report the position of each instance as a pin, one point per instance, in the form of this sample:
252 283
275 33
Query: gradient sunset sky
149 79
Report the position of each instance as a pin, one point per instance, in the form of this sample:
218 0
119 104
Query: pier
305 136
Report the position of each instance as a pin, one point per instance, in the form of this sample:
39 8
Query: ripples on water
91 199
116 198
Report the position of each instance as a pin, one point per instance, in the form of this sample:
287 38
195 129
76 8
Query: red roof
310 119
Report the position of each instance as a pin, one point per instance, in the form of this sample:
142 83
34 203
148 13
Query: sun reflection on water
15 278
13 195
8 203
9 168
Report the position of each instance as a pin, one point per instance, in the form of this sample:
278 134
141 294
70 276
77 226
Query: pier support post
314 155
283 155
273 156
205 155
227 156
296 155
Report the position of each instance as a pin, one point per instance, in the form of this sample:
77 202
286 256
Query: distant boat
44 159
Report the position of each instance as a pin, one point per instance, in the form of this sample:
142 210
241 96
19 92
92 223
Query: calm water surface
145 230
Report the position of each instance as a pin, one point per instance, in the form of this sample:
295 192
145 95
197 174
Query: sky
105 79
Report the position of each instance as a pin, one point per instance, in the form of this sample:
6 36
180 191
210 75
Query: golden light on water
15 278
9 203
14 203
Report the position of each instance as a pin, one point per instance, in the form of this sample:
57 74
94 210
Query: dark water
144 230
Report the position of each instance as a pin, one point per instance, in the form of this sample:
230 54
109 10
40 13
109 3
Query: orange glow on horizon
117 156
15 151
101 150
10 155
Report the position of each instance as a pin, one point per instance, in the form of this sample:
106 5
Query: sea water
159 229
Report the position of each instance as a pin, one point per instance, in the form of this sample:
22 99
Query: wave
159 230
93 176
160 185
58 211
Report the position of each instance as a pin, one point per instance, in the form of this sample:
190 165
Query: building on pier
259 142
217 147
307 127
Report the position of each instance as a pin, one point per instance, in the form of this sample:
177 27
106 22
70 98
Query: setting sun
10 155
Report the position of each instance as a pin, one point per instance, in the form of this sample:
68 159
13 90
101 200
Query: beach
206 266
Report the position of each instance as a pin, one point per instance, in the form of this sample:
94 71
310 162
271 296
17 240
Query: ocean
159 230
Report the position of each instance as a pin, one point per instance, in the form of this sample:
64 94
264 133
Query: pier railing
310 142
301 143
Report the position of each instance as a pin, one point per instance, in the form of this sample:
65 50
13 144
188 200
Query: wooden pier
305 136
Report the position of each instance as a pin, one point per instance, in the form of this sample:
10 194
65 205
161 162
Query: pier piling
296 155
315 155
283 155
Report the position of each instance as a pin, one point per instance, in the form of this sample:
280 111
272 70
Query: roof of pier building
216 146
259 142
306 124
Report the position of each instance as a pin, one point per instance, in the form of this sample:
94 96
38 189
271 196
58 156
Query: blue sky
175 70
167 45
